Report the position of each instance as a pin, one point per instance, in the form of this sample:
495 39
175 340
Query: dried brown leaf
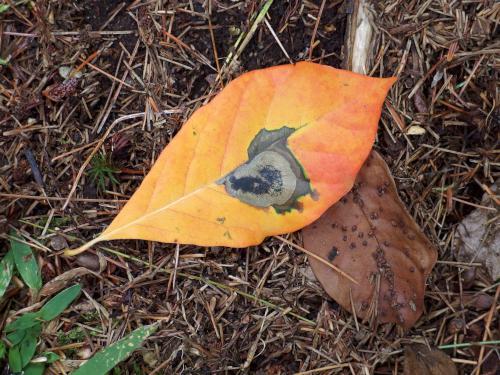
61 281
421 360
370 235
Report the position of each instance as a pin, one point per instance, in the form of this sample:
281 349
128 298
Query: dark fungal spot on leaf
381 190
333 254
272 176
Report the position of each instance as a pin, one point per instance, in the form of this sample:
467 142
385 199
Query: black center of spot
268 181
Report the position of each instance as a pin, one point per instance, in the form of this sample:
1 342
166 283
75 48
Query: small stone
469 276
455 326
58 243
483 302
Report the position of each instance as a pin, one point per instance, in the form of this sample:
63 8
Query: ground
143 68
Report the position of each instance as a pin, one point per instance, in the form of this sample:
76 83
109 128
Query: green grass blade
59 303
6 268
26 264
50 357
16 337
15 363
28 320
34 369
2 350
49 311
107 358
27 349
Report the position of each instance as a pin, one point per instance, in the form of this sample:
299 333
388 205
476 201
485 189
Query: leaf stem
81 249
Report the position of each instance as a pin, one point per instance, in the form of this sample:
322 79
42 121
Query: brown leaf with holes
421 360
370 235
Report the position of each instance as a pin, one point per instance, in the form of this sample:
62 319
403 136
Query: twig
316 25
94 151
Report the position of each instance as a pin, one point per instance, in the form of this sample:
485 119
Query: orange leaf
370 235
268 155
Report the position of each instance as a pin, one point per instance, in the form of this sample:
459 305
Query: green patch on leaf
107 358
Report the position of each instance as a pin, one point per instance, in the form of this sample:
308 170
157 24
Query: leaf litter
441 175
